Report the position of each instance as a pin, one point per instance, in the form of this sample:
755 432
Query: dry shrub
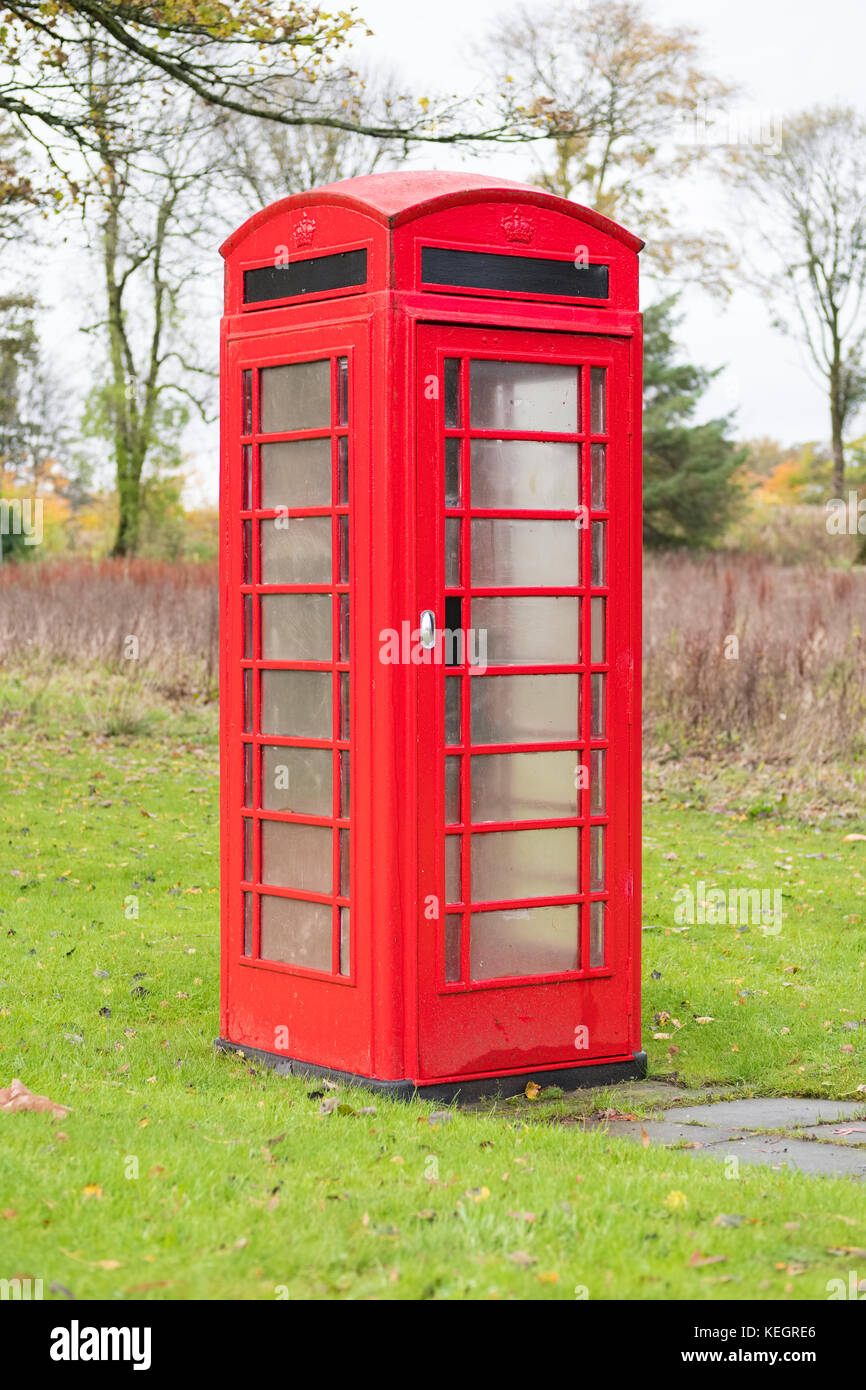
77 614
797 688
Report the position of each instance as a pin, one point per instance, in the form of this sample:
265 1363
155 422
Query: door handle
428 628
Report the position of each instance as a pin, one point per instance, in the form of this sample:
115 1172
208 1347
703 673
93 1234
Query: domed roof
405 194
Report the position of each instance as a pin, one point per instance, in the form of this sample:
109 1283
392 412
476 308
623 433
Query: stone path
814 1136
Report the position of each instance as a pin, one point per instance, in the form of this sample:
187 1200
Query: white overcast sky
785 54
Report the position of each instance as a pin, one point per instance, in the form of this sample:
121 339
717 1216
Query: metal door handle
428 628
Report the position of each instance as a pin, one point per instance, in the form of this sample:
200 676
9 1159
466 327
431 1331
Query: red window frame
538 1014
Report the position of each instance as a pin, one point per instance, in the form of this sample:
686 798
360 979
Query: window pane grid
302 946
590 819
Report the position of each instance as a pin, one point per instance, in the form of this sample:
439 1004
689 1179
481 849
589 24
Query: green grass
779 1004
184 1174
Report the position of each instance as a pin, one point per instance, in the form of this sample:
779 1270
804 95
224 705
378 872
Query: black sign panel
483 270
342 271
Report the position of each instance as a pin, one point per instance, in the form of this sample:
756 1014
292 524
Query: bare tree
271 161
147 199
806 201
610 92
226 53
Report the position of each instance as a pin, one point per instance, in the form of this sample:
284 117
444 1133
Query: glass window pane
453 689
597 400
248 924
524 864
345 958
343 533
247 566
453 929
524 941
452 552
296 627
597 634
453 890
248 626
296 397
596 858
342 390
296 932
345 867
247 395
248 774
246 479
452 473
296 704
344 706
599 554
508 553
248 701
597 793
529 630
344 627
249 868
345 787
451 391
297 856
296 473
297 779
296 550
343 471
597 914
525 473
598 714
523 786
523 396
598 469
452 790
525 709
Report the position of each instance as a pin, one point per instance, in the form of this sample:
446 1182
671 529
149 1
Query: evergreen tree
691 492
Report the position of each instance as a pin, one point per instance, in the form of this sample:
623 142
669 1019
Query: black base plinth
569 1078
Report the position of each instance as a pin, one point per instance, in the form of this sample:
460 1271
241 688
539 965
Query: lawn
183 1174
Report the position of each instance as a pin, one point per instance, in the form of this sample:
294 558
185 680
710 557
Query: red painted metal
391 1015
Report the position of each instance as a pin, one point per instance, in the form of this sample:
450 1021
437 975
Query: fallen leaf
697 1260
644 1137
91 1190
532 1090
18 1097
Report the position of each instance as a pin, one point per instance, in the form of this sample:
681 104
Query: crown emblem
305 230
518 227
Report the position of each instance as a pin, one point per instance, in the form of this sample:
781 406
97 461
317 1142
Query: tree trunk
837 422
128 515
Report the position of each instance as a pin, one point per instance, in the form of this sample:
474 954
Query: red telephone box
430 588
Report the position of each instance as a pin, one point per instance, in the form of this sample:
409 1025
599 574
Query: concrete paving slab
772 1150
818 1160
770 1112
848 1134
664 1131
